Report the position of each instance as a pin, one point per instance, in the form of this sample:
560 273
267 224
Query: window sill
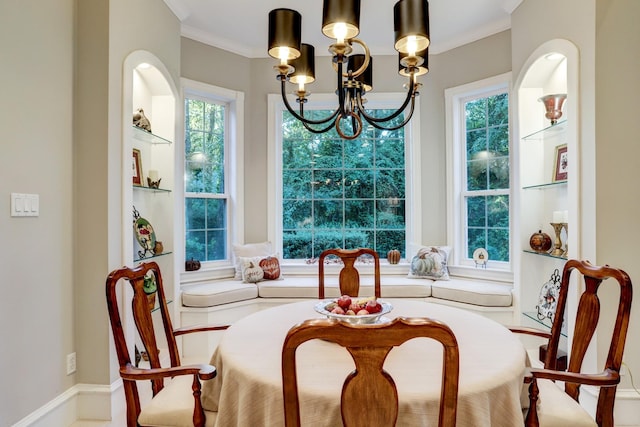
207 273
479 273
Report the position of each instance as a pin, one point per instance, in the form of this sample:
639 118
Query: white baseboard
80 402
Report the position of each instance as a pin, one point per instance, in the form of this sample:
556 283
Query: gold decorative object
557 228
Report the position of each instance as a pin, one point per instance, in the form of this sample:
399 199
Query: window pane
487 168
205 217
488 226
336 192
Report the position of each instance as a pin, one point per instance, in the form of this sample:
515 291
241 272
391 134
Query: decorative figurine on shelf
150 289
152 180
141 121
540 242
153 184
158 248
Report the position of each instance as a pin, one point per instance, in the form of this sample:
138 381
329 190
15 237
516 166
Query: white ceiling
240 26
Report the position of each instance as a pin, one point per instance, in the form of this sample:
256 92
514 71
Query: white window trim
454 118
413 174
234 177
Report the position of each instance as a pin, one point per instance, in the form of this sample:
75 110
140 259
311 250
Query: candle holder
557 228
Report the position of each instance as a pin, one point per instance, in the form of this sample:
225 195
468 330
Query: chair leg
532 414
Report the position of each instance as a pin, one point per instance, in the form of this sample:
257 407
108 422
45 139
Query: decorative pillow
430 262
252 273
249 250
269 266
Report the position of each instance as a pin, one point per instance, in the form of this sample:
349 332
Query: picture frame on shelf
136 166
560 164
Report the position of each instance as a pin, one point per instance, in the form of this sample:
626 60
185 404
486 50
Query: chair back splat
349 279
369 392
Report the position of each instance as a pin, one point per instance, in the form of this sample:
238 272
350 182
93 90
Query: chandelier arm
298 116
323 130
340 86
371 119
406 120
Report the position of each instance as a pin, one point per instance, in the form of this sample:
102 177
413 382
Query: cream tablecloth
248 388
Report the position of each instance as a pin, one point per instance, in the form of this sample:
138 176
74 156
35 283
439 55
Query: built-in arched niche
148 85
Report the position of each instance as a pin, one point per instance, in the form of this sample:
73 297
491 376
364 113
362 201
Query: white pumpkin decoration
253 273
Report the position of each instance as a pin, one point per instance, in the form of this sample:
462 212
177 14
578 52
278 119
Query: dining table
248 388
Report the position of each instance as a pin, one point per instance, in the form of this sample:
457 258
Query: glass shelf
144 136
155 190
546 322
157 306
152 256
529 251
552 130
545 185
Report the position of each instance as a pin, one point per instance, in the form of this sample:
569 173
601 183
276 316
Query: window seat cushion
471 291
217 292
396 286
468 291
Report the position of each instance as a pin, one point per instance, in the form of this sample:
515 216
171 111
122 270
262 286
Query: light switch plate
25 204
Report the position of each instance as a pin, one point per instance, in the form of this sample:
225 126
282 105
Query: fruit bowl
358 319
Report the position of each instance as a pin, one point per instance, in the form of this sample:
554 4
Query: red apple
373 307
355 307
362 312
337 310
344 301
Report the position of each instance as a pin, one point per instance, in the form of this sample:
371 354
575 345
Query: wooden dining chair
549 405
176 402
369 394
349 279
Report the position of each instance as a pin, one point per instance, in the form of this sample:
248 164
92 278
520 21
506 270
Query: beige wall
36 254
618 150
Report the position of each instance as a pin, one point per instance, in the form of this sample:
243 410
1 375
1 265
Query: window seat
465 291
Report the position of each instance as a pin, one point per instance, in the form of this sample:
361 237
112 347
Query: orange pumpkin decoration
393 256
271 268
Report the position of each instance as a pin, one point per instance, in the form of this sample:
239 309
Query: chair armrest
204 372
607 378
199 328
529 331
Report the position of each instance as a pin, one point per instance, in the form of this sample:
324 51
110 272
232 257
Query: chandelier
340 21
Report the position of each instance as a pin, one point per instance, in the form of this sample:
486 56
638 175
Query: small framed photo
136 166
560 165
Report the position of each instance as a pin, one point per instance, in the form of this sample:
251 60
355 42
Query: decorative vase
393 256
151 299
553 106
158 248
540 242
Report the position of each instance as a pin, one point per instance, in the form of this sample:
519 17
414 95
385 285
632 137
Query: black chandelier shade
304 66
354 71
285 31
411 25
341 13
